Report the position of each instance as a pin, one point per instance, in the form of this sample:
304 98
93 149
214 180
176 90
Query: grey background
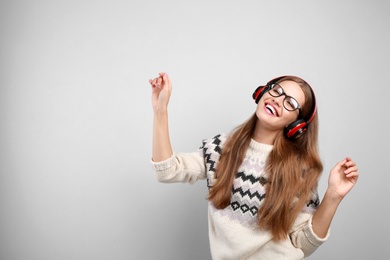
76 119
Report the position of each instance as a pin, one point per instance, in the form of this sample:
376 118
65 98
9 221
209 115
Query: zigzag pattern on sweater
212 149
247 194
312 205
252 178
250 195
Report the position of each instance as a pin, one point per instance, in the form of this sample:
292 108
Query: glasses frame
273 85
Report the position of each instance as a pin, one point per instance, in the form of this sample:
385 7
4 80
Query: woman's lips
270 109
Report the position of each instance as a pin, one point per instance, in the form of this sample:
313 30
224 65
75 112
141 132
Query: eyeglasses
289 103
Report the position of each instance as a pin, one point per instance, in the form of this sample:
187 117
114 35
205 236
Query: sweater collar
260 147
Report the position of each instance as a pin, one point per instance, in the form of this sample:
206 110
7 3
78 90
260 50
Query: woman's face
272 113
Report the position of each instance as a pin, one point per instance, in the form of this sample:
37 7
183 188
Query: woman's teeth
271 109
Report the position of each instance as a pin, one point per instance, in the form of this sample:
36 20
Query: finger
155 83
164 82
349 165
351 169
151 82
352 175
340 164
159 81
349 162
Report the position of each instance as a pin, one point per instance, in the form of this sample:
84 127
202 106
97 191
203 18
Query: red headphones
297 128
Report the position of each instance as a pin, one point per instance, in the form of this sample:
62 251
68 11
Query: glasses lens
290 103
276 90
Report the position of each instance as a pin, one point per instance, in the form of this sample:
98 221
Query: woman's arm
170 167
342 179
161 92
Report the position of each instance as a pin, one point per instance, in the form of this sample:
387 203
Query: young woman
262 177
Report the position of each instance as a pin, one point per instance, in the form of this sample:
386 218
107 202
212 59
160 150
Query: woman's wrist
157 110
332 196
161 112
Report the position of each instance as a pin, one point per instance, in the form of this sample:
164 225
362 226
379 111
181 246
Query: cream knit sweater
233 232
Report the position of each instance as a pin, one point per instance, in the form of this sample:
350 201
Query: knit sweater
233 231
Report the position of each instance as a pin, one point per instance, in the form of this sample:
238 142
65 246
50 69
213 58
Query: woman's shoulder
211 151
216 142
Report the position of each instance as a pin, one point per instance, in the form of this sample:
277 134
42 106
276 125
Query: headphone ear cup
258 93
296 129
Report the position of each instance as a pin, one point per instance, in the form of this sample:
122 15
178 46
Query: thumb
340 164
166 79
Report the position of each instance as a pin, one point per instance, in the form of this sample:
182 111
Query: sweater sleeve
182 167
303 236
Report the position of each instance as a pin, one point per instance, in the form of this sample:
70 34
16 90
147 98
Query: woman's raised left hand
343 178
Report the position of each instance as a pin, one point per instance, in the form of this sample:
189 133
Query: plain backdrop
76 118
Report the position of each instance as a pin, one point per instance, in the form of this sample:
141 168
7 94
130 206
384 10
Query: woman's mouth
271 110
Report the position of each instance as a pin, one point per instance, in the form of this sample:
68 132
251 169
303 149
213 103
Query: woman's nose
278 100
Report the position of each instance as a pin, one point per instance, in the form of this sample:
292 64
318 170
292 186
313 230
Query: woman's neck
264 135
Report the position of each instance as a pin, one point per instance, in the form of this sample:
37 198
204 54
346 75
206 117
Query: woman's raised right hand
161 92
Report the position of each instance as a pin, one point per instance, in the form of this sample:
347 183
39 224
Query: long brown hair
293 168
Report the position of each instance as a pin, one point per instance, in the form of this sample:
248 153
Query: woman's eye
291 103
